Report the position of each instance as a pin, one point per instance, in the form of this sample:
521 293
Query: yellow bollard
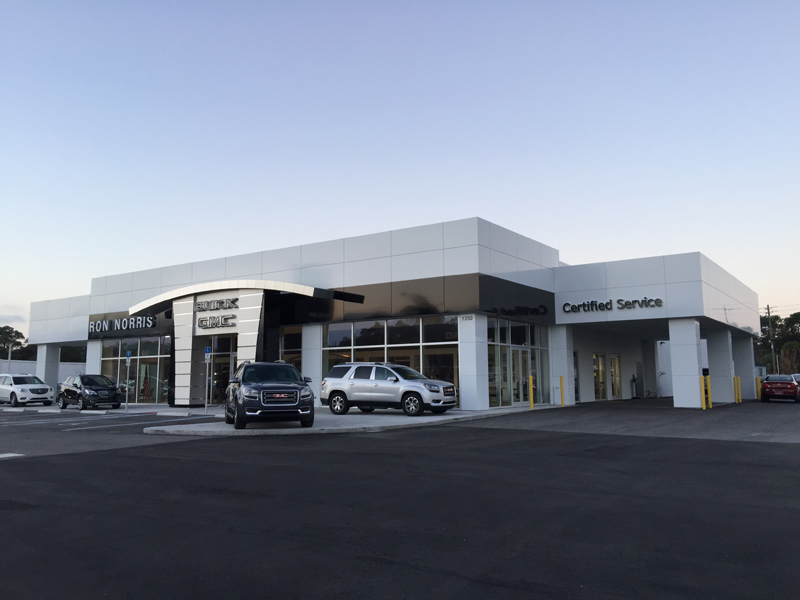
758 388
561 378
530 389
735 391
703 391
708 384
739 388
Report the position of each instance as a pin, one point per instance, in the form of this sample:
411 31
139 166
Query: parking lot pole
561 385
206 398
739 390
708 386
127 381
530 389
758 388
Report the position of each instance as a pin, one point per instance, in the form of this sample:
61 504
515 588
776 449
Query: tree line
786 338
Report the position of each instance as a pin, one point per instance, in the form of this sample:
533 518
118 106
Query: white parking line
10 455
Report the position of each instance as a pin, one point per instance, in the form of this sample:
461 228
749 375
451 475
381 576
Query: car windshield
779 378
96 380
268 373
408 373
28 380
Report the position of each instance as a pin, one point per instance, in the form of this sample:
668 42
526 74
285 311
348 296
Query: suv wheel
412 405
338 404
62 402
228 418
366 409
239 421
765 398
81 403
13 400
308 422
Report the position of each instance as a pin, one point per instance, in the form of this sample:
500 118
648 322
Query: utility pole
775 365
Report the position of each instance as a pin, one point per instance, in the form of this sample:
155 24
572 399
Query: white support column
47 357
94 354
562 364
311 358
473 365
720 366
248 322
684 351
744 364
183 316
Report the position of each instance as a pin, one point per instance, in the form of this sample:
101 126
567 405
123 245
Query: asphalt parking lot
517 506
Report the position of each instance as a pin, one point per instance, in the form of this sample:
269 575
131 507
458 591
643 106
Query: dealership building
466 301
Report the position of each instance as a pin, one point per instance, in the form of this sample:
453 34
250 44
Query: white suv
368 386
17 388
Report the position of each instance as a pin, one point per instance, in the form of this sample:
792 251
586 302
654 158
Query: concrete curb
203 430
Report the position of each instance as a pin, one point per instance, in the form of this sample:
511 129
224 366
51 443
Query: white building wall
684 338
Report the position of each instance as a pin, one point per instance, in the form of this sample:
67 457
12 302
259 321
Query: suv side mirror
233 380
393 379
307 379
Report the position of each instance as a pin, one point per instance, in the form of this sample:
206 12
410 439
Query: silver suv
368 386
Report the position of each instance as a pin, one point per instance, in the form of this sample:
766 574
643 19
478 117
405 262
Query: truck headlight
90 392
431 387
250 393
306 393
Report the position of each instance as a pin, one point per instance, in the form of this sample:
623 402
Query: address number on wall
467 317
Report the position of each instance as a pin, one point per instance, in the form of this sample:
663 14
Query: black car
88 391
263 391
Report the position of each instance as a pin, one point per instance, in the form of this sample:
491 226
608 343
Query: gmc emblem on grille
280 395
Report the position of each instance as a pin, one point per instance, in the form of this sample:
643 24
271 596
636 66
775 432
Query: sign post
208 361
127 377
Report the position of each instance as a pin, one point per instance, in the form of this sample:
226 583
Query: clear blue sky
139 134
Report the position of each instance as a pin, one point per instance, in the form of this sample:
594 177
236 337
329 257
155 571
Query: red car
780 386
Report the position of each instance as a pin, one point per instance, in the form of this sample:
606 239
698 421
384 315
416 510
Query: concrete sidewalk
325 422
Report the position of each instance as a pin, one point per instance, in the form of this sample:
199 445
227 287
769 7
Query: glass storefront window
543 336
129 345
148 379
494 400
222 344
534 335
408 356
519 334
440 329
369 355
337 335
166 345
292 337
110 348
163 379
293 358
109 368
441 362
502 328
491 330
403 331
149 346
369 333
331 358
